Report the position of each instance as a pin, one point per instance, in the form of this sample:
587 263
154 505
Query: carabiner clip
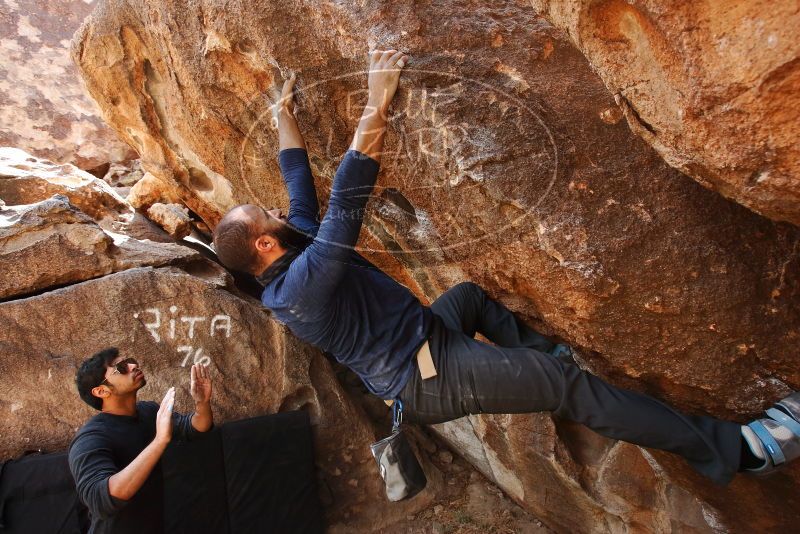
397 414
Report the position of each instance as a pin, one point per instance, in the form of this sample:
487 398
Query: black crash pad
37 494
249 476
262 468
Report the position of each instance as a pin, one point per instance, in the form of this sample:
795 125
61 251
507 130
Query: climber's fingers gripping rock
384 75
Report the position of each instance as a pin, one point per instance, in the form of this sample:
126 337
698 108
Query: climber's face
275 215
270 224
264 221
275 226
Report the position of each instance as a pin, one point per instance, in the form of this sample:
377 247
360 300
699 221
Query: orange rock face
507 164
714 87
43 105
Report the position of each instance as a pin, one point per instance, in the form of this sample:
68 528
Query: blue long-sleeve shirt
333 298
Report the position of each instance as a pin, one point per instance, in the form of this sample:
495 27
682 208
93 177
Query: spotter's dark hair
91 374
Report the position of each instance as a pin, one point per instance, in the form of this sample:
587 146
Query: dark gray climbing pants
519 376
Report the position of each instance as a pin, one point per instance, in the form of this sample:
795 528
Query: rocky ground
469 505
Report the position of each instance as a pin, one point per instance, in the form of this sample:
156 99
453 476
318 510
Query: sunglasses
122 367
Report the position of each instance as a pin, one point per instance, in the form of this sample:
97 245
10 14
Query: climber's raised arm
355 177
326 259
289 135
293 159
383 78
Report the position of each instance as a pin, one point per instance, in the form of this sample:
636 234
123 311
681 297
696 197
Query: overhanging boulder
714 87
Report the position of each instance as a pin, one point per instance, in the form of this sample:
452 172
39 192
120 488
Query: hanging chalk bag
398 466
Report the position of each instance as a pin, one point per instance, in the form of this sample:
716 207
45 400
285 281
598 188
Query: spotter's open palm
200 387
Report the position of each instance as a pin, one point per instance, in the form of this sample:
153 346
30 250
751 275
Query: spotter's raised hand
200 386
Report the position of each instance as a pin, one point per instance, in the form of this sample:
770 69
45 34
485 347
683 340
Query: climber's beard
286 234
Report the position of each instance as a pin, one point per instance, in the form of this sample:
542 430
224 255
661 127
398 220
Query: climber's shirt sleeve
352 187
313 276
303 205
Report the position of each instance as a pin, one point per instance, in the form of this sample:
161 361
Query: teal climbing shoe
778 434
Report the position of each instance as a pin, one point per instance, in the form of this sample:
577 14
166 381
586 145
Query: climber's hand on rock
287 94
284 101
384 75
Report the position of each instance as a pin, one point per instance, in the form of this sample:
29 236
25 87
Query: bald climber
426 358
